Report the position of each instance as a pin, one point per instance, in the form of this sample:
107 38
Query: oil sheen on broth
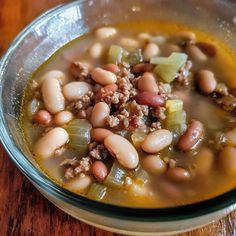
188 110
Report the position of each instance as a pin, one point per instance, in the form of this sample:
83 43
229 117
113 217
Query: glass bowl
54 29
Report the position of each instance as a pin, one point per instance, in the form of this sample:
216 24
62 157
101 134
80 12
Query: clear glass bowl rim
42 181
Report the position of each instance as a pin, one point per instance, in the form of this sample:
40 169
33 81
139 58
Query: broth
175 174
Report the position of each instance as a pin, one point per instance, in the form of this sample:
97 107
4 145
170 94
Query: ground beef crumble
97 151
80 71
184 76
75 166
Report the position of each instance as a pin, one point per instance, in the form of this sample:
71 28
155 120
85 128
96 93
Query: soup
137 114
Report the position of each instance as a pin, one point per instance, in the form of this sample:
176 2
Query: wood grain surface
23 210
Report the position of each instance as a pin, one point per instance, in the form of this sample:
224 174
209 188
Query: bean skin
207 48
154 164
195 53
79 183
122 150
74 90
106 32
53 98
156 141
178 174
206 81
99 134
147 83
111 67
103 77
50 142
99 170
227 160
62 118
55 74
143 67
151 50
99 113
150 99
43 117
191 137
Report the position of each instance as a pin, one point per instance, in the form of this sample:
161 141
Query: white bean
75 90
151 50
122 150
156 141
105 32
80 183
50 142
99 113
54 74
62 118
103 77
129 43
148 83
53 98
95 50
154 164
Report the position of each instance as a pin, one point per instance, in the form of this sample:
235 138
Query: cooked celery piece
176 122
79 133
168 69
116 177
141 176
160 60
135 57
97 192
116 54
137 138
174 105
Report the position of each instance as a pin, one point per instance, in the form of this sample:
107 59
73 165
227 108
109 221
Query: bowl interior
61 25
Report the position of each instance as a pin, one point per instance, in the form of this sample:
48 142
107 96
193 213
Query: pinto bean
143 67
80 183
99 170
156 141
95 50
191 137
195 53
43 117
99 113
207 48
178 174
151 50
54 74
106 32
50 142
148 83
185 36
227 160
111 67
149 99
103 77
99 134
62 118
122 150
154 164
74 90
53 98
206 81
168 49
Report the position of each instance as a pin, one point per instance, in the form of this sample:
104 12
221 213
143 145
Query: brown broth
199 107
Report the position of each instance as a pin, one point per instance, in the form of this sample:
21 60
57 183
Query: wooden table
23 210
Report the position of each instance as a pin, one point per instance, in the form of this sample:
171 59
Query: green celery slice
116 54
174 105
116 177
97 191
